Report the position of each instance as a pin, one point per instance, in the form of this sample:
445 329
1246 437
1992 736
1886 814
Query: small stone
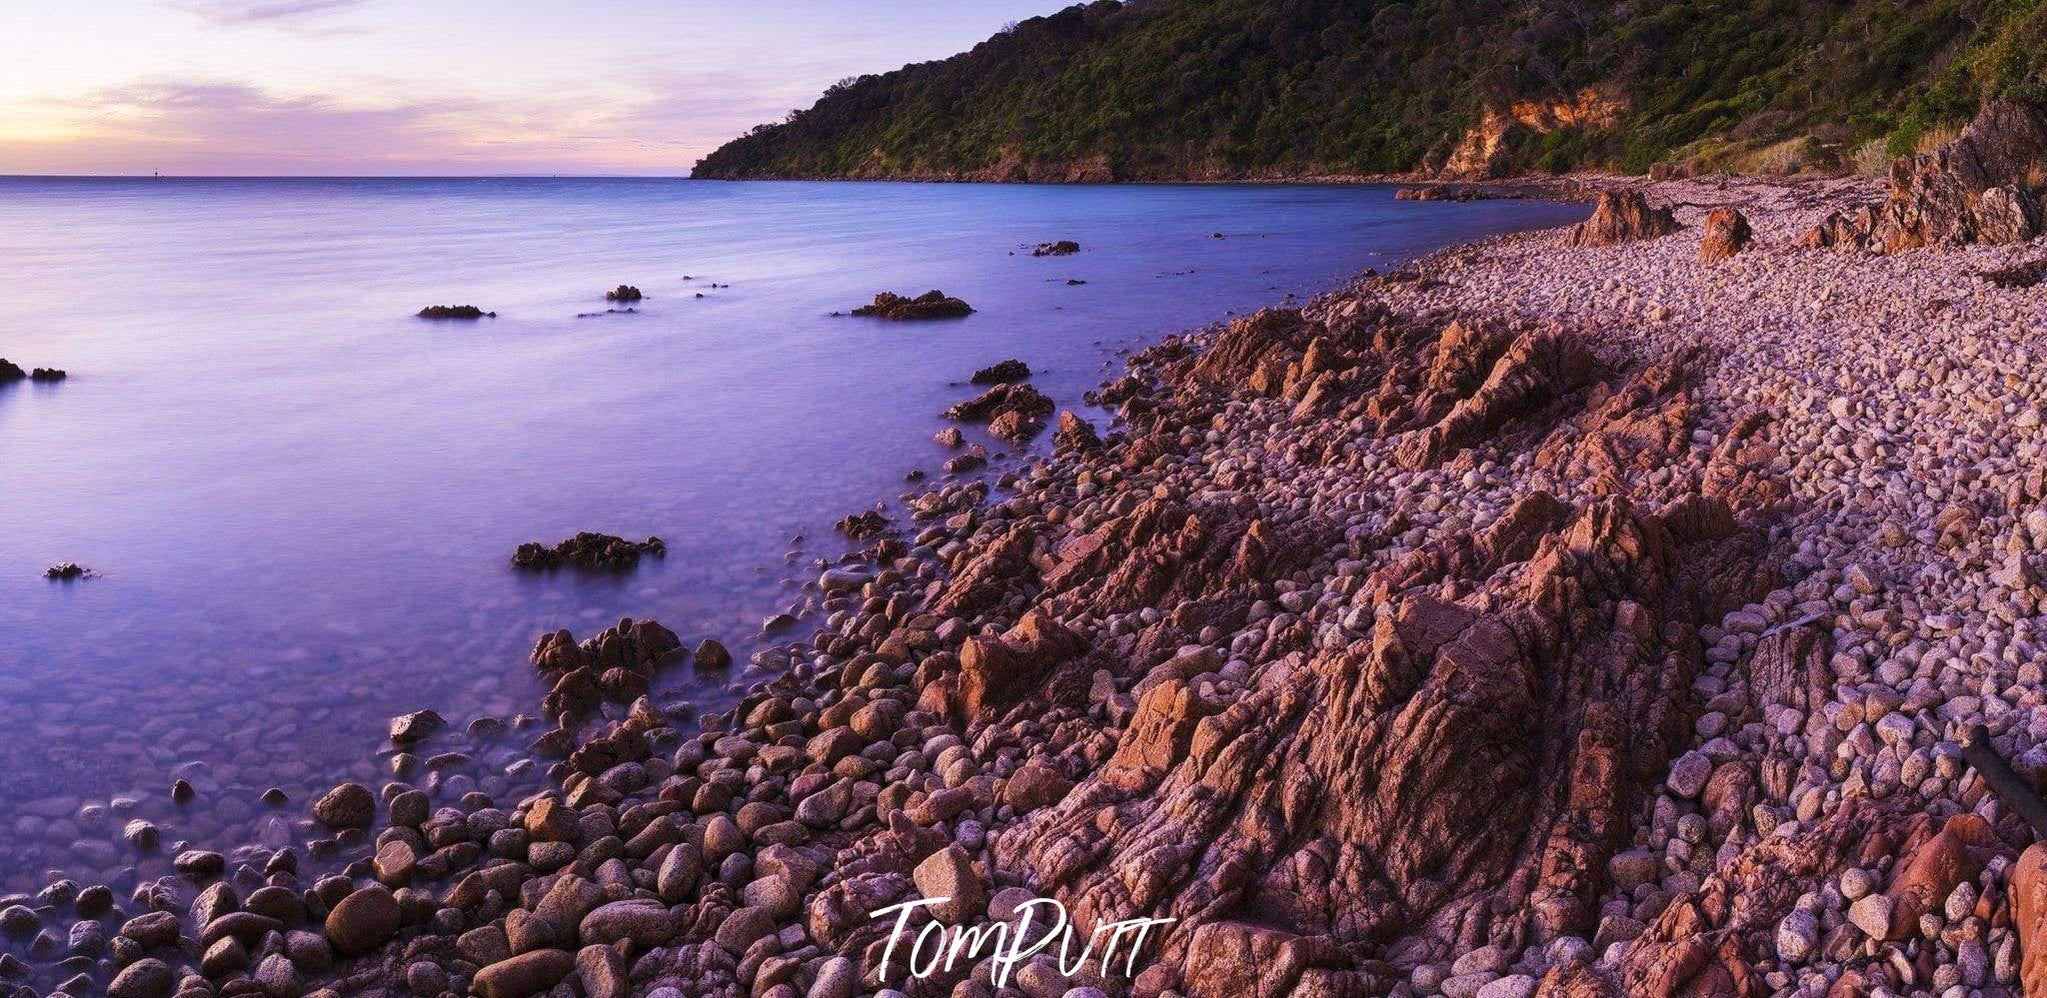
1872 914
1688 775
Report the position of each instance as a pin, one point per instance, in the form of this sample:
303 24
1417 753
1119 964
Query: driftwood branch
2009 786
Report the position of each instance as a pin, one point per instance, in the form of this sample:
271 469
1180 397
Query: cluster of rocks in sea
10 371
625 293
1443 192
590 551
455 312
65 571
929 305
1062 247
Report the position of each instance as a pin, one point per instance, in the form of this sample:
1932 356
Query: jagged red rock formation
1621 216
1981 188
1462 773
1727 233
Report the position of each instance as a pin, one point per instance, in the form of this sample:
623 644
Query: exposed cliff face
1483 153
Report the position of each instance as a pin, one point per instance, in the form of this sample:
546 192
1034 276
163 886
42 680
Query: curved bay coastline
126 831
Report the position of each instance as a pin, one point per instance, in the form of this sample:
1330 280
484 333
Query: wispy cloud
236 13
209 126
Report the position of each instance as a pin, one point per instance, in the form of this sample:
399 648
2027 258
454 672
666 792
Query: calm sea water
301 499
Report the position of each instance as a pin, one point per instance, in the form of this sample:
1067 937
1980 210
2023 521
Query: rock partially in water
68 570
1062 247
416 726
455 312
712 656
589 551
864 525
1442 192
350 805
10 371
1002 372
929 305
985 407
623 293
47 374
1015 427
1075 433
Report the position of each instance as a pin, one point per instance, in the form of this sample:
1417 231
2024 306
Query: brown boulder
2029 910
1926 877
1619 217
363 921
1727 233
1075 434
526 974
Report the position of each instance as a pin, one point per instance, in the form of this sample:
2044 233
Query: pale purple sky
436 87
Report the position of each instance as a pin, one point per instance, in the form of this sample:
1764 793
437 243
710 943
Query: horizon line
346 176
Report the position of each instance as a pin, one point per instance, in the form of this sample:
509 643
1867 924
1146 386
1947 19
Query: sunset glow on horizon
380 87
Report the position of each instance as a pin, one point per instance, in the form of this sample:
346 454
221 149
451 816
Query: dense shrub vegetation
1199 88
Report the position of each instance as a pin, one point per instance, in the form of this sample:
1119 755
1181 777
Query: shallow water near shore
301 499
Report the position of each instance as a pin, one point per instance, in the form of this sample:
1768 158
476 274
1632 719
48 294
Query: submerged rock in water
1002 372
455 312
624 292
588 550
1063 247
929 305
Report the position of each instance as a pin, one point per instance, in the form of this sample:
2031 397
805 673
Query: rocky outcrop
1075 434
1063 247
597 552
1984 187
455 312
1621 216
1442 192
1003 399
1727 232
929 305
623 293
1002 372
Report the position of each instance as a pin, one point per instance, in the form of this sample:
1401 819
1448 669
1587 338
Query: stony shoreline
1587 620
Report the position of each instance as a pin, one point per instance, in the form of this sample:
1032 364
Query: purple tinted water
301 499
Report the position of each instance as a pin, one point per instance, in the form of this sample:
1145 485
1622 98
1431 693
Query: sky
436 87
